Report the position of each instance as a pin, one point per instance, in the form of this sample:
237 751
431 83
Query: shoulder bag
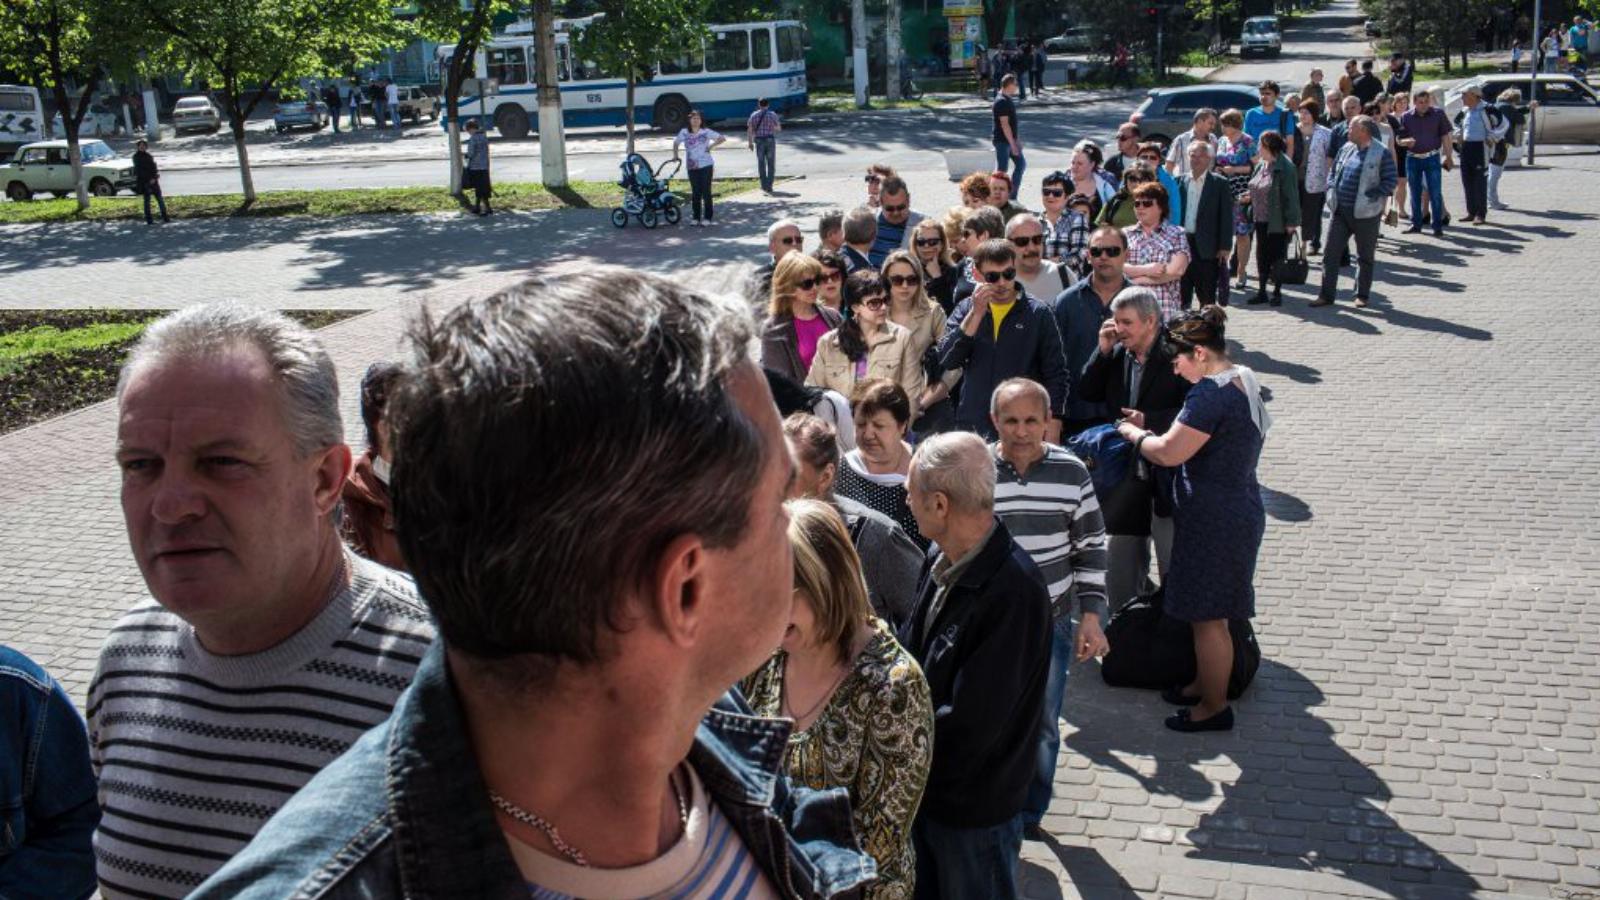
1295 269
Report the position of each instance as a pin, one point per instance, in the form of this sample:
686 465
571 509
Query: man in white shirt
1204 130
391 98
1040 276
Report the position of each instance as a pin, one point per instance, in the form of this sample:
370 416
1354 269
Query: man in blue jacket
981 631
48 809
1000 332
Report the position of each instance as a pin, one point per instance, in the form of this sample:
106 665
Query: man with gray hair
1364 175
600 579
981 631
860 231
269 647
783 238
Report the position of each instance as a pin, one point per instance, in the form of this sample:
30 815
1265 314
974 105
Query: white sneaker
696 223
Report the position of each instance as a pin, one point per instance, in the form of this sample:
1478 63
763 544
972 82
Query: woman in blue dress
1218 518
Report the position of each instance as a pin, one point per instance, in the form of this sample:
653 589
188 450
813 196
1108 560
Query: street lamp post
1533 84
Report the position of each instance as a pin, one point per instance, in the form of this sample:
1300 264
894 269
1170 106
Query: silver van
1260 35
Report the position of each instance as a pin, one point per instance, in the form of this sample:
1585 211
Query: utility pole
1533 83
858 55
891 48
552 136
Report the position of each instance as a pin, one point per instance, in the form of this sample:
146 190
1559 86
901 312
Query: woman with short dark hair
1275 211
1218 517
1158 251
874 474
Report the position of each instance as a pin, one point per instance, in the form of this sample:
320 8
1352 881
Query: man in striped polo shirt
269 647
1046 499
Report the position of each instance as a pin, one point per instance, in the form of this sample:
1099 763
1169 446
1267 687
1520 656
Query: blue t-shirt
890 238
1258 121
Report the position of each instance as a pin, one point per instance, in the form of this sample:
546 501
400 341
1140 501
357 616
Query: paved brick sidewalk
1425 722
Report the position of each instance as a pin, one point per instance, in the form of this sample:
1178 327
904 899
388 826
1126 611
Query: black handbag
1152 650
1295 269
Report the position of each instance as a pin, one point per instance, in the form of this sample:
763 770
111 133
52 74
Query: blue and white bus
737 65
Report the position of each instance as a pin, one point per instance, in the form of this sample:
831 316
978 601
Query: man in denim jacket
48 810
589 487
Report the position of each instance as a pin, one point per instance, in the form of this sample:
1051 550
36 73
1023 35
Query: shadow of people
1267 365
1298 800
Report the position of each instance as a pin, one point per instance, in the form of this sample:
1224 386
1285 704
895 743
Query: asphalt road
1324 39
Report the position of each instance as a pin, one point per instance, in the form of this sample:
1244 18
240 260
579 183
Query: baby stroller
646 193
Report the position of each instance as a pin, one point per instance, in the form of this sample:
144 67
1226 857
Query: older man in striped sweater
1046 499
269 647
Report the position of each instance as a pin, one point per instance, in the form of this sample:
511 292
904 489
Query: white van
21 118
1260 35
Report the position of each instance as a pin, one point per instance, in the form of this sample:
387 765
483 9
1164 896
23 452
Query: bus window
791 44
728 51
691 62
508 64
761 48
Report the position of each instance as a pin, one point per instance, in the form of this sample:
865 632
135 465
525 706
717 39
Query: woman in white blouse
1314 174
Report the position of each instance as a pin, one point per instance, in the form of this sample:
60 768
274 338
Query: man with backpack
1269 116
1477 126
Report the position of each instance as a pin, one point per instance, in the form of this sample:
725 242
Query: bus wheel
619 218
512 122
671 113
648 218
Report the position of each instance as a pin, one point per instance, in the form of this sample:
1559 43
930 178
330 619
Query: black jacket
986 657
1029 347
145 172
1161 396
1213 224
1366 86
780 345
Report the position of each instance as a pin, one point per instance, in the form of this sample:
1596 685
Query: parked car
97 122
416 104
44 167
1372 29
196 114
1569 111
1260 35
1169 112
1077 39
299 112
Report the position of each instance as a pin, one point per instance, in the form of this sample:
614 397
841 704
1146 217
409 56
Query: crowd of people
635 591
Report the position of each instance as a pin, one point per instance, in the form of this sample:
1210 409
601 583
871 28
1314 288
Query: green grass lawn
55 361
352 202
1433 71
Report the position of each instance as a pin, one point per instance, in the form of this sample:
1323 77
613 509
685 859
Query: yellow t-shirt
997 312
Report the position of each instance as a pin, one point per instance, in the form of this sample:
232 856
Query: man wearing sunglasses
1127 155
1040 277
896 221
783 238
1001 332
1080 311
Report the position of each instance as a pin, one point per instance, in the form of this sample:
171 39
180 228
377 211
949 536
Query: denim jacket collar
450 846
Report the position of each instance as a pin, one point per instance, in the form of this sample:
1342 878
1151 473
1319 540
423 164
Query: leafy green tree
634 35
246 48
467 25
55 45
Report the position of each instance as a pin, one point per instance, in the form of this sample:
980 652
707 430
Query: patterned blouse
1159 247
1067 241
889 499
874 739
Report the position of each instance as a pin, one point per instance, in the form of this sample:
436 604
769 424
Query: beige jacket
927 328
889 355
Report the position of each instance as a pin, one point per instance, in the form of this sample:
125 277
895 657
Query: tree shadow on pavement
1298 800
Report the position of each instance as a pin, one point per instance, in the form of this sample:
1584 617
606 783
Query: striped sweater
195 751
1053 514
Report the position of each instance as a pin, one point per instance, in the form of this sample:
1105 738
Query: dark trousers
1200 278
1475 178
1269 249
154 190
700 193
766 161
963 863
1341 227
1311 217
1036 80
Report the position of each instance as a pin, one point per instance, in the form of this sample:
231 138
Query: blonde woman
912 308
796 320
867 345
863 720
939 271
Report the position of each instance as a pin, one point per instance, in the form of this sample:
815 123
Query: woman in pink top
795 320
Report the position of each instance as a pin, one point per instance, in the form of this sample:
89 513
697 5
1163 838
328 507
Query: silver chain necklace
565 849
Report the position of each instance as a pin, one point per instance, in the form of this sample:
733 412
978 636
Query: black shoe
1277 300
1438 232
1259 298
1222 721
1176 697
1415 229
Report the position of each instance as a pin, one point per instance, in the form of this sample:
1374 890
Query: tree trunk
632 78
452 114
892 48
75 154
552 131
455 156
995 13
858 49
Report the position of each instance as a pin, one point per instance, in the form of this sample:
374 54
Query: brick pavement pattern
1424 722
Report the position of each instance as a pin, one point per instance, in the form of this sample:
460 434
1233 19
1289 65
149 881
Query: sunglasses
929 242
873 179
904 280
1141 204
833 278
896 209
1054 192
997 277
791 241
1112 252
807 284
1036 240
874 302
